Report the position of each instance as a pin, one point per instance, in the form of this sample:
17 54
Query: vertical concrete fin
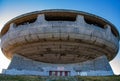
108 32
12 26
80 19
41 18
108 28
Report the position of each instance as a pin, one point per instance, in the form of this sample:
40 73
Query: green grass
53 78
99 78
20 78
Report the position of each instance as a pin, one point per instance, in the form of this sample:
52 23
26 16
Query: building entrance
59 73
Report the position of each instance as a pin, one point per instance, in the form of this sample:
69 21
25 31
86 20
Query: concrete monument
59 42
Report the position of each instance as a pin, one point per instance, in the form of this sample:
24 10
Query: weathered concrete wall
18 36
21 65
45 29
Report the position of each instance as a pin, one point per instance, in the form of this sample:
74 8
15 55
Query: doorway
59 73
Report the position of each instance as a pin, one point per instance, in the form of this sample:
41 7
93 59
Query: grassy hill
53 78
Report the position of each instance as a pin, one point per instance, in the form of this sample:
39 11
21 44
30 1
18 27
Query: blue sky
108 9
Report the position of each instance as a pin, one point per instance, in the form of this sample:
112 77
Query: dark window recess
115 34
27 21
57 18
60 18
99 25
94 23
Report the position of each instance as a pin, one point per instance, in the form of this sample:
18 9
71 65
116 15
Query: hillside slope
53 78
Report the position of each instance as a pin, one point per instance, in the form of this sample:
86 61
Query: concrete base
23 66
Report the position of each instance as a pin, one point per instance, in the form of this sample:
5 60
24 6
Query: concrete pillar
108 33
80 19
12 26
41 18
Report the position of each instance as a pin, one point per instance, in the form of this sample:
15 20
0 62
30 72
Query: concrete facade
67 41
23 66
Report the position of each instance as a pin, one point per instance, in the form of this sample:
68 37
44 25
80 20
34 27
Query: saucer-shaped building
59 42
